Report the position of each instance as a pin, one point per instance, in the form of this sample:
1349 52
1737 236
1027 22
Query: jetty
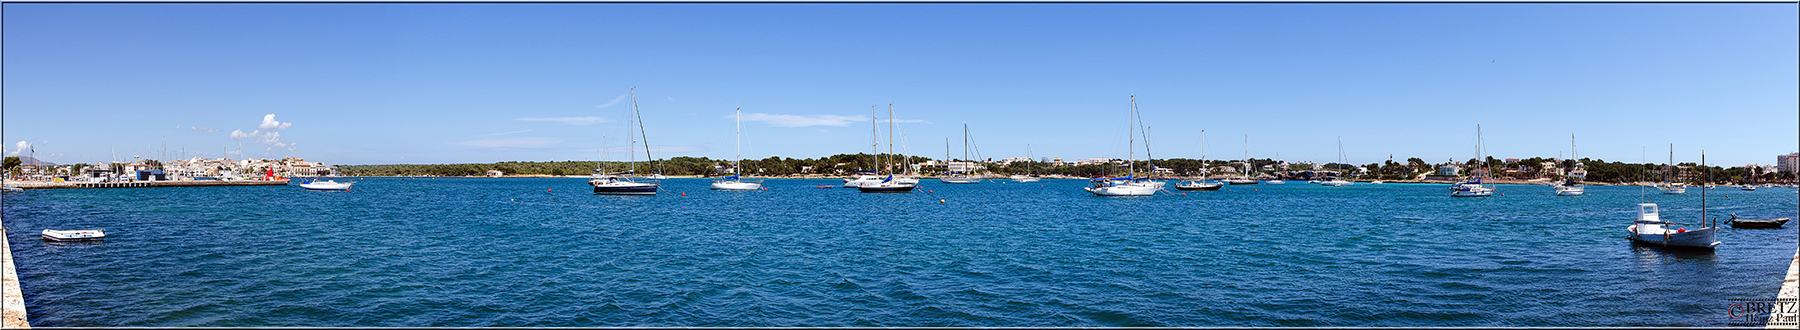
1785 316
12 300
145 184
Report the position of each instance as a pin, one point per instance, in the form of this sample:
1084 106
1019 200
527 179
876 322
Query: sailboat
1339 181
869 177
889 184
1202 184
1572 186
1032 165
735 181
615 184
1130 185
1474 187
1649 228
1668 187
1245 178
965 176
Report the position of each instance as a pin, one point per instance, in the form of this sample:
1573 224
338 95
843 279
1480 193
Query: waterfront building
1788 163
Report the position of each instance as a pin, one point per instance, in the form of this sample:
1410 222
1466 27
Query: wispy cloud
21 147
512 132
614 101
202 129
509 143
569 120
260 137
800 120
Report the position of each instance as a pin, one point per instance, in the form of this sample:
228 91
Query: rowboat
1755 223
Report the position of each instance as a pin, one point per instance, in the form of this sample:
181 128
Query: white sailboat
1668 187
889 184
864 178
1130 185
1649 228
1027 178
623 183
1245 177
966 176
1573 185
1338 181
735 182
1474 187
1202 184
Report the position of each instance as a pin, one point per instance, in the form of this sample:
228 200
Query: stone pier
1790 291
12 306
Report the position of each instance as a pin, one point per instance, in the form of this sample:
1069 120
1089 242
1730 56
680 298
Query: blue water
547 252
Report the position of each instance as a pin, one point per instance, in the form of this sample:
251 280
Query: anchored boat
327 185
73 235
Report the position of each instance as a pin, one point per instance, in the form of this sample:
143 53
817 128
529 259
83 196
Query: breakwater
145 184
12 299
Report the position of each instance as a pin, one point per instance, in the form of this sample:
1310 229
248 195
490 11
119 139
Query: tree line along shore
1412 170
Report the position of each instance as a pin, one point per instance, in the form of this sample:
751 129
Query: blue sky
451 83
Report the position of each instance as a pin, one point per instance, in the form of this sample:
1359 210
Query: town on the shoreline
1528 170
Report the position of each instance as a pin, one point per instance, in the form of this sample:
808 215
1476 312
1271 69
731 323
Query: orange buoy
546 190
684 194
1184 194
930 191
940 201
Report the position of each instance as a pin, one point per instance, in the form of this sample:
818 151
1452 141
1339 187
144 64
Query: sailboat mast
737 166
875 139
1131 138
890 130
641 133
1703 190
630 121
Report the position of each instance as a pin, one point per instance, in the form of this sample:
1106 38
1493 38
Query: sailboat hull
887 188
621 187
736 185
1199 186
1237 182
960 179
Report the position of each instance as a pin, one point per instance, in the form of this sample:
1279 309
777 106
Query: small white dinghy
74 235
327 185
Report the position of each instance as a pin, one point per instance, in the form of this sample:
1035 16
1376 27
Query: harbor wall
12 300
146 184
1790 290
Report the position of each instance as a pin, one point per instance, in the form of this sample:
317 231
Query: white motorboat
1748 188
1275 182
1649 228
1201 185
1313 181
734 182
327 185
611 184
73 235
1672 189
1377 182
1336 183
1571 190
1023 178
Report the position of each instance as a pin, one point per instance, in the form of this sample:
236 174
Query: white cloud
202 129
614 101
569 120
270 123
800 120
512 132
273 139
518 142
21 147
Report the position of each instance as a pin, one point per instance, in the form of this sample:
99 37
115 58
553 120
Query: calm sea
547 252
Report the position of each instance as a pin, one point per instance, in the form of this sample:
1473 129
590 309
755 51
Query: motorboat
1275 182
1571 190
1240 181
1313 181
1755 223
1748 188
1336 183
1377 182
1024 179
1649 228
733 183
327 185
73 235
